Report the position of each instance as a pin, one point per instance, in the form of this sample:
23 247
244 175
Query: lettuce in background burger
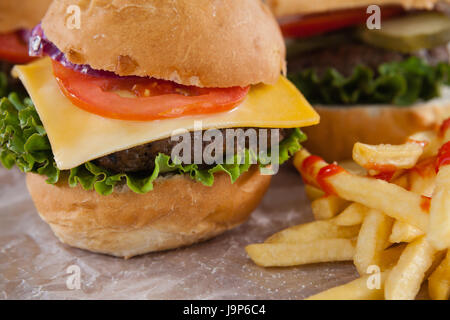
16 21
373 86
96 143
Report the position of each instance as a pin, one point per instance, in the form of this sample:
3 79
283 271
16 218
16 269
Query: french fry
358 289
439 281
353 215
313 193
422 178
390 256
327 207
386 197
402 181
310 173
405 279
352 167
403 232
421 181
431 140
361 288
373 238
386 156
426 184
438 258
292 254
412 211
315 230
439 227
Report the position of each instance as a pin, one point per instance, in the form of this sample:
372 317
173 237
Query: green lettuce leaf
24 143
400 83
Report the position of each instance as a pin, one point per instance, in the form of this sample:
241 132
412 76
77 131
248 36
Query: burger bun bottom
177 212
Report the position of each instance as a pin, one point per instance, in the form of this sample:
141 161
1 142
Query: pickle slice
410 33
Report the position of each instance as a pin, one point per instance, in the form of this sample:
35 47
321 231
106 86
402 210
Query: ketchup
443 158
307 168
423 144
386 176
425 203
325 173
386 171
444 127
425 168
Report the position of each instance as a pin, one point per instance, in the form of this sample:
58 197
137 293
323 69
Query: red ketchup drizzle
307 168
425 204
444 127
443 158
386 176
381 167
325 173
423 144
425 168
386 171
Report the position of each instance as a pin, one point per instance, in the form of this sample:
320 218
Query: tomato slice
145 99
13 48
311 25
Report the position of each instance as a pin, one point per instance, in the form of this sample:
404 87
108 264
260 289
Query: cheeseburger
117 89
376 71
16 21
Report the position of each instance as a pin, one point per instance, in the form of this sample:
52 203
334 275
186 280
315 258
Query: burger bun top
204 43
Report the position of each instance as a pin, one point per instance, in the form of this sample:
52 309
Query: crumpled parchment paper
34 264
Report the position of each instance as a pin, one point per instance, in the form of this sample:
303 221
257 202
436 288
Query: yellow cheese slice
77 136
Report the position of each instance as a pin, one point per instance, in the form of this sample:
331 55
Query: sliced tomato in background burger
13 49
315 24
143 99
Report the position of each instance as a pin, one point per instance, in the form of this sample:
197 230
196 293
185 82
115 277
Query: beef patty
345 57
142 158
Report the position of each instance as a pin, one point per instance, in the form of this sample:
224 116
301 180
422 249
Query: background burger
96 142
373 86
16 20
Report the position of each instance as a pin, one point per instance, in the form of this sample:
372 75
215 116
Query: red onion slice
40 46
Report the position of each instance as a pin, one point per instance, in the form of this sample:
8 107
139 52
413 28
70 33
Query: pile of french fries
389 213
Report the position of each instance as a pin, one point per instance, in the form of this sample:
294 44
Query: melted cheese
77 136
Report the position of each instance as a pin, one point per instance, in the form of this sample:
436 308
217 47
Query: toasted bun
341 127
178 212
292 7
23 14
222 43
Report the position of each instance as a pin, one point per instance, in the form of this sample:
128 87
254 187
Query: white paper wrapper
34 264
